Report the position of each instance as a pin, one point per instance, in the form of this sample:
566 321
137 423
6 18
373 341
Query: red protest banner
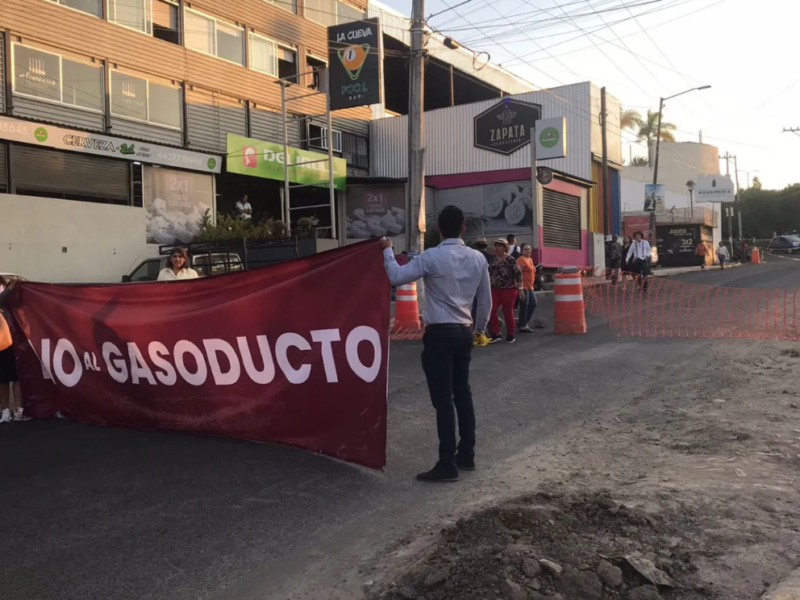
296 353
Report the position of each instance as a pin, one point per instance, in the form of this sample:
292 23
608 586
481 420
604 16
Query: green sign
40 134
549 137
257 158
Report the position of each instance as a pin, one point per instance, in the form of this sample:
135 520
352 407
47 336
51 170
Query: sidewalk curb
788 589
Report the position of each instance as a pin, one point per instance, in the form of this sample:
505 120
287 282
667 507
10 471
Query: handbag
5 334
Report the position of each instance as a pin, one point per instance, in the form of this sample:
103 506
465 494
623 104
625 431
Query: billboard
176 202
354 63
247 156
714 188
492 209
376 211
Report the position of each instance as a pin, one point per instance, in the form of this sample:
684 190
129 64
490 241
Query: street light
748 175
658 147
690 187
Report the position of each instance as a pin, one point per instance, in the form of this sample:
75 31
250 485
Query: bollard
570 317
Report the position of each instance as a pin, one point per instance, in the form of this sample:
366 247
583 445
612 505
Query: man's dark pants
445 360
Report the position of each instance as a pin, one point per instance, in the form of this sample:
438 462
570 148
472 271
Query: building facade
565 220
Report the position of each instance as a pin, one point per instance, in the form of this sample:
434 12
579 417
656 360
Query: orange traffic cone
406 310
756 257
570 317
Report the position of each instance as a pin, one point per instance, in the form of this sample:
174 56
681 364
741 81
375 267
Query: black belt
446 326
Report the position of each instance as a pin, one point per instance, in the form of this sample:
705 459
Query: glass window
165 22
128 96
321 11
230 43
287 64
346 13
83 85
262 55
286 4
165 105
199 32
135 14
37 73
93 7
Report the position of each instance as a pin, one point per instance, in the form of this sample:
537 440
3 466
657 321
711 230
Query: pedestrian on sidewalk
514 250
639 255
453 275
9 410
623 260
528 300
481 245
613 258
723 255
700 252
506 279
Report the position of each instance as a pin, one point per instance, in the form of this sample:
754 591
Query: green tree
756 183
639 161
765 212
629 119
648 129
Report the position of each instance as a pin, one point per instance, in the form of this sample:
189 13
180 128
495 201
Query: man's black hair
451 222
511 238
635 233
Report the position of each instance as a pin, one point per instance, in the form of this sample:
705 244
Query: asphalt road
92 513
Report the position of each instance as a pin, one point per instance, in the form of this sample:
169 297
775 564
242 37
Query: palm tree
648 127
639 161
629 119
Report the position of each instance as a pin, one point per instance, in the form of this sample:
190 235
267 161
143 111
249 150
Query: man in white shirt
244 212
639 255
453 274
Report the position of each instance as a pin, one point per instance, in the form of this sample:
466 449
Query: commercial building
683 221
139 111
478 157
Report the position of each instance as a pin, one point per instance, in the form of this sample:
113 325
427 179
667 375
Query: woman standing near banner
179 267
8 377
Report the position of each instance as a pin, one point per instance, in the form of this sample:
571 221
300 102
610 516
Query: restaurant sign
50 136
506 127
247 156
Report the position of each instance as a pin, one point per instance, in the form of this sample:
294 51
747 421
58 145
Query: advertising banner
354 63
677 244
375 211
492 209
633 224
654 194
176 202
257 158
551 138
50 136
259 355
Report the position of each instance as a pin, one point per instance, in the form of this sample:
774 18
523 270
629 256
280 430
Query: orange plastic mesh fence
671 308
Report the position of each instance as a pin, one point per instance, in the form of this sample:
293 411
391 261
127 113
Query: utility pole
795 130
606 203
729 209
416 137
727 158
738 197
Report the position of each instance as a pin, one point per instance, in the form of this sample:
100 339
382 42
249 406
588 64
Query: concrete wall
102 241
678 163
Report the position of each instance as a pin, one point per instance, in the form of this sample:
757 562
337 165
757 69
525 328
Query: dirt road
694 472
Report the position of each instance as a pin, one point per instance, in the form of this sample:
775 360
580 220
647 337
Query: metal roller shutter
3 170
69 174
561 220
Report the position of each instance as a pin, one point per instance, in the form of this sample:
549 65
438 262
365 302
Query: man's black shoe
442 472
465 463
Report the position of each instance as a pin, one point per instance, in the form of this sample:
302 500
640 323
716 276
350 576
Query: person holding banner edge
453 275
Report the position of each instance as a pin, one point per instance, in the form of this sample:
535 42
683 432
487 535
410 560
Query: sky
645 49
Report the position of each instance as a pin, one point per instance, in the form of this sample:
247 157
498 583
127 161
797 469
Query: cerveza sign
258 158
354 59
50 136
506 127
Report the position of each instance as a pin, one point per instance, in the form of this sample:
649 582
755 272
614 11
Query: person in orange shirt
527 303
700 252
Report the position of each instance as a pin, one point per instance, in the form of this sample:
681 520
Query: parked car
784 244
206 265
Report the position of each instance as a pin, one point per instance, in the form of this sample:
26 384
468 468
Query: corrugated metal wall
145 131
27 108
449 138
211 117
597 213
266 125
